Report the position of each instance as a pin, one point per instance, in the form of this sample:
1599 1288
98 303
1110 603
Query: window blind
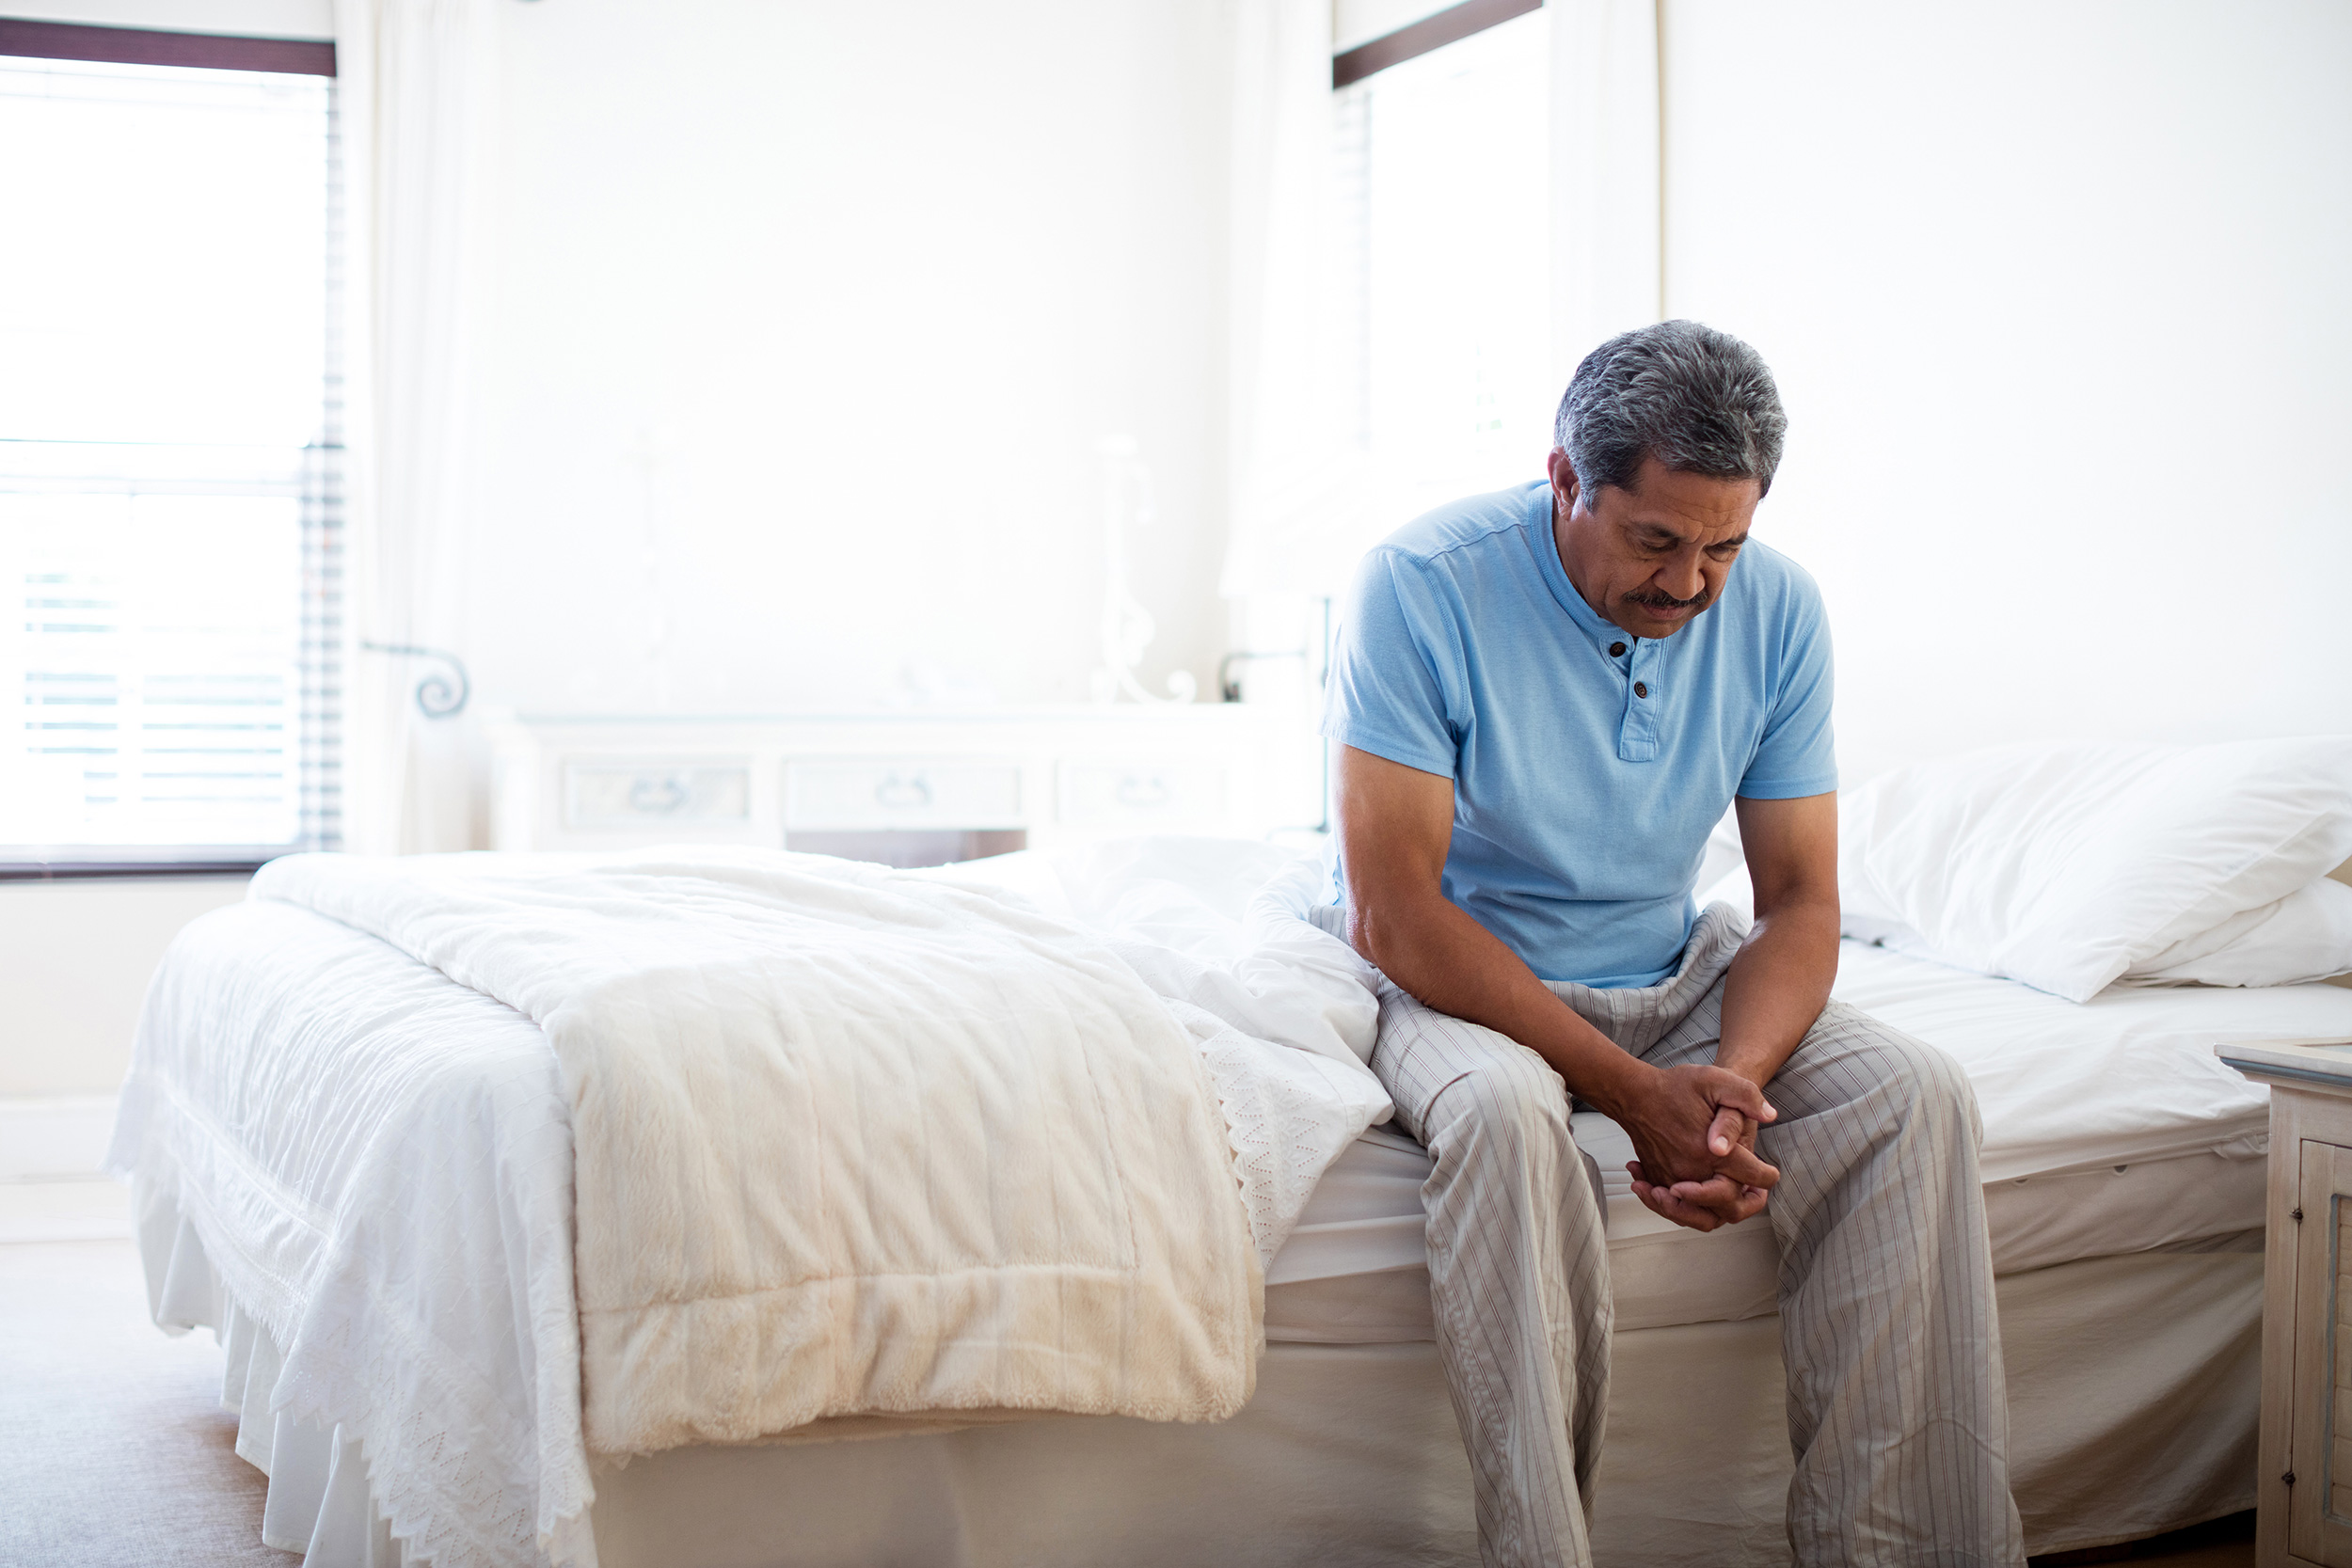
170 529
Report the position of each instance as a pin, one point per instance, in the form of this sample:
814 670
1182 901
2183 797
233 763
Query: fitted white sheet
1355 1270
2129 1075
2109 1129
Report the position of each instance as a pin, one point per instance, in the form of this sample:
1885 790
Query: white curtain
414 87
1608 256
1293 454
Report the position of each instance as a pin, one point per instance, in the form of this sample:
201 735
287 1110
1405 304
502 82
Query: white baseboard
54 1137
93 1210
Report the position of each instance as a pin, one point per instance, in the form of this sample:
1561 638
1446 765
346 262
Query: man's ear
1563 472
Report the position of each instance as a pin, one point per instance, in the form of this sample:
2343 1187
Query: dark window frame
1451 26
74 41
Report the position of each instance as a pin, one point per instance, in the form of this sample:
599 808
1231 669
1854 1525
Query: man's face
1652 558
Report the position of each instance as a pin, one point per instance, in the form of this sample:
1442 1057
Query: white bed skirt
2134 1385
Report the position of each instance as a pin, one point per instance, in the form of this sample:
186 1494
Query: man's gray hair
1699 401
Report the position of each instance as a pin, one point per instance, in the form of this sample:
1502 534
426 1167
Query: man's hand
1773 992
1704 1205
1693 1129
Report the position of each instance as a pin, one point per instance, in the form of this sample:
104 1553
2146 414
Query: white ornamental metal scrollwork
443 694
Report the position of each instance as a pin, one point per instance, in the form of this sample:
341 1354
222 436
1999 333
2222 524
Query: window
169 537
1443 175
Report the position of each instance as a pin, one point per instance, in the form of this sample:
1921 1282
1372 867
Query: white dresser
909 787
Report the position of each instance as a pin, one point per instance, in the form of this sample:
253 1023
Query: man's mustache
1651 598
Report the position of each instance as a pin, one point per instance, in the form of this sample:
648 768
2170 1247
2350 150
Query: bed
300 1205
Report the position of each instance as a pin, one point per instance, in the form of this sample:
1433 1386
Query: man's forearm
1777 986
1443 958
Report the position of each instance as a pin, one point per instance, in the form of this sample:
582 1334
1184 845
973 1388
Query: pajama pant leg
1519 1275
1898 1413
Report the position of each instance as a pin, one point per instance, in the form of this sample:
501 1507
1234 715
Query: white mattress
1349 1452
2109 1129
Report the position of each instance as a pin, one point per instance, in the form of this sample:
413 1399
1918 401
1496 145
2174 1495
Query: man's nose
1682 577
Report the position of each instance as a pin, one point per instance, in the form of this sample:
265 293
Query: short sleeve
1396 671
1798 755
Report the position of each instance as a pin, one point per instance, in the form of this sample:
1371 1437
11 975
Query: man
1543 700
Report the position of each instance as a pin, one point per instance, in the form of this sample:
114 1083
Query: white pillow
2066 865
1723 854
2305 936
1732 888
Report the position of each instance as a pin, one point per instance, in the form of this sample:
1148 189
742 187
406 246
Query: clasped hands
1694 1131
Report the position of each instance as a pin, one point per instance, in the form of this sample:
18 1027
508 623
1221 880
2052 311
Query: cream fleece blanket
847 1141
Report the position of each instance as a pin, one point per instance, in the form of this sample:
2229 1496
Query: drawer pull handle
1143 794
657 797
897 794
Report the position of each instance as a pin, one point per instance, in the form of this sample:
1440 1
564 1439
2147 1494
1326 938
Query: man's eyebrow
1653 532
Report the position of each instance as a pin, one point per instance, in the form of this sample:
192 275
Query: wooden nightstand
2306 1479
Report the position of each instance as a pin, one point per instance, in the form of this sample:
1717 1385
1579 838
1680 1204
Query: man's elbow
1803 906
1381 929
1362 934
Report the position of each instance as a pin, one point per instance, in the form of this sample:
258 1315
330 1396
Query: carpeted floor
118 1454
115 1448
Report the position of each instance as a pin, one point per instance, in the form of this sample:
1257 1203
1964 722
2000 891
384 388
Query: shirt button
1640 690
1615 648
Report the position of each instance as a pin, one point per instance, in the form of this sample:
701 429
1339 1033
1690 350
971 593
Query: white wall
865 284
75 958
2057 298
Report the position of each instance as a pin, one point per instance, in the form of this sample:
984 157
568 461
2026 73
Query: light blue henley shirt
1588 764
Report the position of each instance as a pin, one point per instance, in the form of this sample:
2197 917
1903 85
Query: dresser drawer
902 792
1140 795
688 793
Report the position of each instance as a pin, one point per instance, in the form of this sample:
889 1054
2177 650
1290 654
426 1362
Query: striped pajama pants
1897 1417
